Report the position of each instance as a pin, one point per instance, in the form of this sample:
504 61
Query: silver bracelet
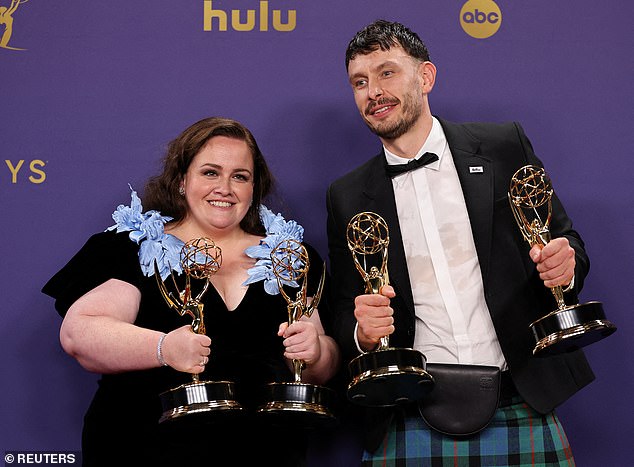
159 351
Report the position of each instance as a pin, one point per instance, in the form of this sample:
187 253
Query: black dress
121 425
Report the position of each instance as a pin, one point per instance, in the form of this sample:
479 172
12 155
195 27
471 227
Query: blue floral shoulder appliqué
277 230
148 230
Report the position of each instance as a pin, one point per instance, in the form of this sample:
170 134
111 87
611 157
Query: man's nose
375 91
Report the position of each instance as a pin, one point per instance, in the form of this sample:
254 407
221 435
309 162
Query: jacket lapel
380 194
476 174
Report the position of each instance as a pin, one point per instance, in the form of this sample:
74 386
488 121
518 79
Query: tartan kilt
516 436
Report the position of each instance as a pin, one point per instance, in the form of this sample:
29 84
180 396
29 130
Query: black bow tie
395 169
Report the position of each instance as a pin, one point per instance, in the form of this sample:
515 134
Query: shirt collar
435 142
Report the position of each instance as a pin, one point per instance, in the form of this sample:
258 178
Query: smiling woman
218 187
165 191
117 322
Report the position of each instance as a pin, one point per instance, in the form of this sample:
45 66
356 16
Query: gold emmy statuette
386 376
569 327
200 259
296 403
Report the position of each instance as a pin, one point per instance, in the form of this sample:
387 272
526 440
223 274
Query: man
464 285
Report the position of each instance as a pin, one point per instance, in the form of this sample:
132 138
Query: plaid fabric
517 436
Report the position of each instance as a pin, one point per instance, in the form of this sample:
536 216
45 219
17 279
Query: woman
117 323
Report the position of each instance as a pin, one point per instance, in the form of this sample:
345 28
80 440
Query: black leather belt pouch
463 399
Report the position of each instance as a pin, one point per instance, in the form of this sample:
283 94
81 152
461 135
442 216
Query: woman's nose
223 185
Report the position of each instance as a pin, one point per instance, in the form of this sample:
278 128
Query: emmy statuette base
299 405
384 378
199 398
570 328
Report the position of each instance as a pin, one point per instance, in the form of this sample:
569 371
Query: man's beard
412 111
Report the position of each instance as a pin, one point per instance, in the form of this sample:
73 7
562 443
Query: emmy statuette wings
200 259
297 403
568 327
386 376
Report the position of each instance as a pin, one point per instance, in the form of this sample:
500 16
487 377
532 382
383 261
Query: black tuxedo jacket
514 293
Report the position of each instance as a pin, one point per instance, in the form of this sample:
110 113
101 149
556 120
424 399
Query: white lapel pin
478 169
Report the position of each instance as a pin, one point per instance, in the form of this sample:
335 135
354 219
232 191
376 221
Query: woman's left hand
301 341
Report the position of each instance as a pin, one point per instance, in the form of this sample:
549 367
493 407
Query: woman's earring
181 190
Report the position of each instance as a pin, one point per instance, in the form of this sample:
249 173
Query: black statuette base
384 378
198 399
299 405
570 329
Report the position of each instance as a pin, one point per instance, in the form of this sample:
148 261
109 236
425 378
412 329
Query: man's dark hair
383 35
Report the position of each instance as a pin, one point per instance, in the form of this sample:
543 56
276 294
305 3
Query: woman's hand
301 341
305 340
185 350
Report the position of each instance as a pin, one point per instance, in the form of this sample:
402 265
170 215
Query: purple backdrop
102 87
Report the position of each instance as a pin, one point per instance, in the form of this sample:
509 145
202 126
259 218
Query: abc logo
480 18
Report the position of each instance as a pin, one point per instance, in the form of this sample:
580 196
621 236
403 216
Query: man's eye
360 83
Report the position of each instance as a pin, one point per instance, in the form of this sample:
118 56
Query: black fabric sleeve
106 255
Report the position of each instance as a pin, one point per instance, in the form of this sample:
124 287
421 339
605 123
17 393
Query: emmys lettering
18 172
261 17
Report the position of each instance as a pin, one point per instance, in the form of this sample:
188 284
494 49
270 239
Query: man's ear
427 73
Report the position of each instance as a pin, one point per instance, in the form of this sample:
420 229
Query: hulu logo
252 19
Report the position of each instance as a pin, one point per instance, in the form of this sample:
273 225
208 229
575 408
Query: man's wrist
570 286
356 338
356 341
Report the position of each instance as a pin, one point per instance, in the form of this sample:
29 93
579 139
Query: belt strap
508 391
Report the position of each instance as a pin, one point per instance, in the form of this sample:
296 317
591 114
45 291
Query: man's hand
374 317
555 262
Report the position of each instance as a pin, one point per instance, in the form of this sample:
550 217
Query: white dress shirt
453 324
